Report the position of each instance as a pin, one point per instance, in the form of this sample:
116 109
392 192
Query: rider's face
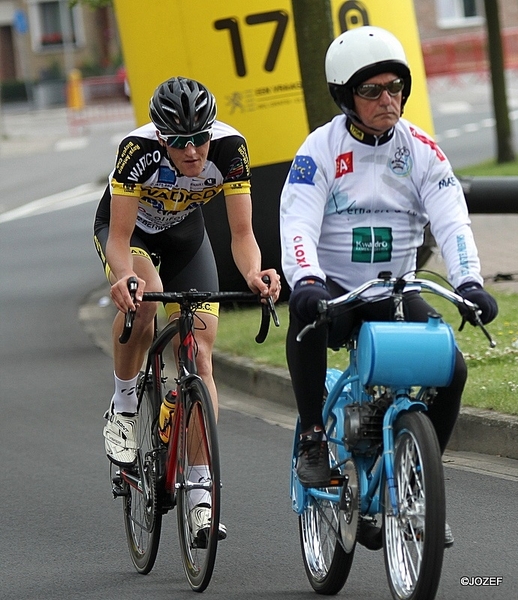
189 160
381 114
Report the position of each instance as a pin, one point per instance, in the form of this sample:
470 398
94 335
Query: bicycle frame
187 370
346 388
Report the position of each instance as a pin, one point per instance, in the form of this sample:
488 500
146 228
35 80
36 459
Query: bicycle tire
142 517
414 540
198 556
326 562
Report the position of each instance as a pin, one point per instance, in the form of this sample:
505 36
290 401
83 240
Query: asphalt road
62 534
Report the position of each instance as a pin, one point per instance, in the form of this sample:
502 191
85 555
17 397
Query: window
54 24
459 13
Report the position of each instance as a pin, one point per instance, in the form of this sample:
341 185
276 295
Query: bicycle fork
402 403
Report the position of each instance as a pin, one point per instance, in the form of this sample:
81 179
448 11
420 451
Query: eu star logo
303 170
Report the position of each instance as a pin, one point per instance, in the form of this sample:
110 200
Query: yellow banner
245 53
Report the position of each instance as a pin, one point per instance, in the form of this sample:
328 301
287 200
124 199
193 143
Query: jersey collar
367 138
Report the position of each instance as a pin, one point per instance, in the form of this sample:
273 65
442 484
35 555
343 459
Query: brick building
453 34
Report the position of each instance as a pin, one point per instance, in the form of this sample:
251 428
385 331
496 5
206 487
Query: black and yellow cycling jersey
144 171
166 197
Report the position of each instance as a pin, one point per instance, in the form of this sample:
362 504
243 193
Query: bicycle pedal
337 479
118 490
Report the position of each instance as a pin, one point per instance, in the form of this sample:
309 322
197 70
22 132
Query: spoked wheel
414 537
142 517
199 487
326 560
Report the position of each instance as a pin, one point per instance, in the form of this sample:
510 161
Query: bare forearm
119 258
247 256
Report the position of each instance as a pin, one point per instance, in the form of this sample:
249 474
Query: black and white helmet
182 106
359 54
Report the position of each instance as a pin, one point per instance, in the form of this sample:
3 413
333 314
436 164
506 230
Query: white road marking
87 192
75 143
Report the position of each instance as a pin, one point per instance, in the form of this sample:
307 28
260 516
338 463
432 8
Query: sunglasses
373 91
180 141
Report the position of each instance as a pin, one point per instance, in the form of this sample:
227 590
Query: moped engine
364 426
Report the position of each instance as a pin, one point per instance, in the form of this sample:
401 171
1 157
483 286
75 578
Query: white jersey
355 204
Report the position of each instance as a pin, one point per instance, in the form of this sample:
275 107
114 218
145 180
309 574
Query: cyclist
165 171
360 191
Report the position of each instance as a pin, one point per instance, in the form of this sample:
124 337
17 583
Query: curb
480 431
476 430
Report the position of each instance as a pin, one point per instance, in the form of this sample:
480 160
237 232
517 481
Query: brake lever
478 323
267 311
130 315
321 318
270 303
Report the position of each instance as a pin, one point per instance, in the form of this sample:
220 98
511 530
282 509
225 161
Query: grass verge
492 372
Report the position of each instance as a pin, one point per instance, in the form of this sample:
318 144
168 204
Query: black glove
305 296
475 293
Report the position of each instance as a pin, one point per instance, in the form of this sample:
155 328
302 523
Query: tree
505 152
314 32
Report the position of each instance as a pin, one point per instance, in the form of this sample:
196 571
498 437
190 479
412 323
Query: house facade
43 40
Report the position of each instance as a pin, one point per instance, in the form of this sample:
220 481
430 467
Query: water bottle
166 416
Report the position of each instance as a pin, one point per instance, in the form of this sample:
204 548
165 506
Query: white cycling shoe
199 522
119 438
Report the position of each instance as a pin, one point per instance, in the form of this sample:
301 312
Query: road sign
20 22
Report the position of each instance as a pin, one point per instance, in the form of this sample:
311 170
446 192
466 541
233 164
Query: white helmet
359 54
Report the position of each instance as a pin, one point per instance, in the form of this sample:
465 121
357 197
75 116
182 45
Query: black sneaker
313 461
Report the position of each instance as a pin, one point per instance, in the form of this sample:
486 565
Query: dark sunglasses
180 141
373 91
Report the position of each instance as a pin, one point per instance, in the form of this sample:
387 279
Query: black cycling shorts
183 255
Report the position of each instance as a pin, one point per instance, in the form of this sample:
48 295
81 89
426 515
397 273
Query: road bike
387 483
167 475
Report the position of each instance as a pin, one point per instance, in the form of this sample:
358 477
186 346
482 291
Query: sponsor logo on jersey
137 170
372 244
178 199
125 155
298 249
303 170
426 140
463 255
166 176
447 182
246 159
401 163
236 169
239 185
355 132
344 164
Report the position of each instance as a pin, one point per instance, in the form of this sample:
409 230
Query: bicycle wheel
414 538
142 516
198 485
326 561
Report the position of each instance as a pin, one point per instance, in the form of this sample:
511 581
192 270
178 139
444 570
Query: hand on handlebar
121 294
267 283
305 298
475 293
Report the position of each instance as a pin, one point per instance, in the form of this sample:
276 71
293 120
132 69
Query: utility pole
314 32
505 152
